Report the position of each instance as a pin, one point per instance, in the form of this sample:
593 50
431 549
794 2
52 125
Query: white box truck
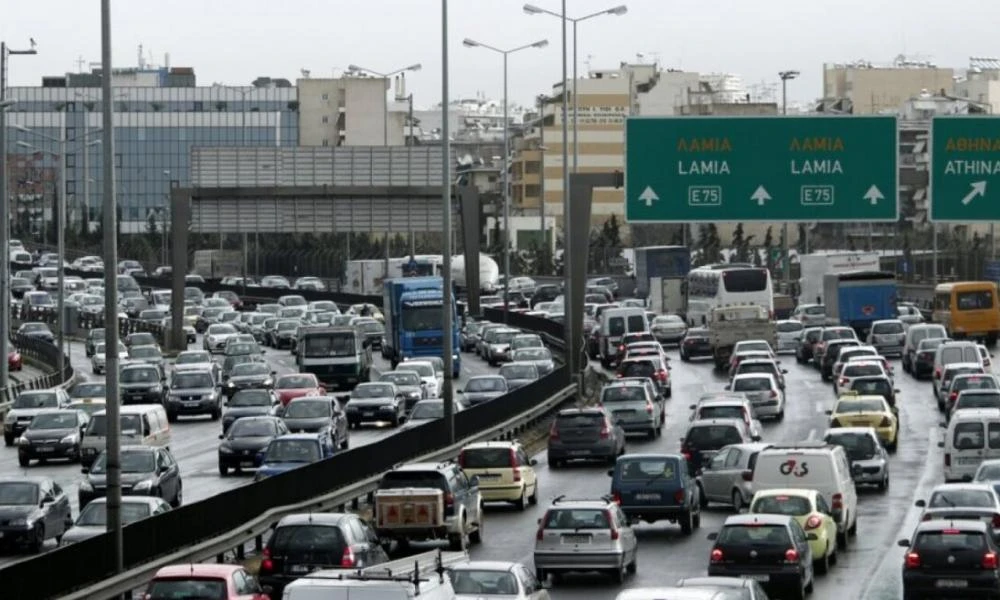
814 266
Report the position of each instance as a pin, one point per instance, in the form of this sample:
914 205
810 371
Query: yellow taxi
867 410
810 509
505 472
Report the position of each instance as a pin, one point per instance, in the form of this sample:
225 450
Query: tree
803 235
738 241
768 243
713 245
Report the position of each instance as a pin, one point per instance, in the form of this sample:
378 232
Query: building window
326 119
326 142
70 161
70 187
531 191
70 134
326 96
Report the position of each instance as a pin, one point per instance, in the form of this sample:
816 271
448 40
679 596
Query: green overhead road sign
965 168
694 169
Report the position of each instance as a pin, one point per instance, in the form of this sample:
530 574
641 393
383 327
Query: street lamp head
540 44
469 43
354 68
785 75
21 128
531 9
618 10
24 144
415 67
8 103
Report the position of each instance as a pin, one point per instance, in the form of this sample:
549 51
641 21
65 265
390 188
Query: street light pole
506 156
446 296
786 265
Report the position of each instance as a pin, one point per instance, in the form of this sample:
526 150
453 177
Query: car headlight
143 485
86 486
26 523
69 439
225 450
230 384
23 441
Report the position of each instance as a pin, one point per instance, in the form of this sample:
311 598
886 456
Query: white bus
714 286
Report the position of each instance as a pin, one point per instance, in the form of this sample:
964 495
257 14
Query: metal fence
47 355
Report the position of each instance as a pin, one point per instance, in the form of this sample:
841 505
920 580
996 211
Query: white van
141 425
954 351
423 576
616 322
813 465
916 334
973 435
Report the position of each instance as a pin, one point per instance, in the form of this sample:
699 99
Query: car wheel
841 540
179 498
737 500
618 575
634 565
476 537
685 357
8 440
344 445
687 523
541 575
459 542
520 502
223 470
37 538
702 498
171 417
853 531
23 460
533 498
822 565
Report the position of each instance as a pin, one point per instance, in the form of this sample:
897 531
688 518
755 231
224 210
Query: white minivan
615 323
813 465
973 435
141 425
402 579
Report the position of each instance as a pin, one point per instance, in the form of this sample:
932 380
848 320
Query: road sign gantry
965 168
799 169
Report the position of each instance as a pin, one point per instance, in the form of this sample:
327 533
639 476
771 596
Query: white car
217 335
789 335
764 393
487 579
847 354
99 361
753 345
854 369
428 378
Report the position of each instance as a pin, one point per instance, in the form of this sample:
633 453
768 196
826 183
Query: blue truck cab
857 299
412 307
656 487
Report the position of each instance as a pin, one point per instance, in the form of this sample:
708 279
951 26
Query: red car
225 582
295 385
14 361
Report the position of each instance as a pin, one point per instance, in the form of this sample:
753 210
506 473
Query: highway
870 568
195 439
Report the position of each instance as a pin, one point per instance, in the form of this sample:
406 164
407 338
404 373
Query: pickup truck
429 501
732 324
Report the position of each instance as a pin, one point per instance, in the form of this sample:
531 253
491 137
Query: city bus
714 286
968 309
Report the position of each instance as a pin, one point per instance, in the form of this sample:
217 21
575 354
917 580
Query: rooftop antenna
79 63
305 73
142 60
590 58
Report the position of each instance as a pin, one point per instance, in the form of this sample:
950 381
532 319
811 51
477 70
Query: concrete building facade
874 89
351 111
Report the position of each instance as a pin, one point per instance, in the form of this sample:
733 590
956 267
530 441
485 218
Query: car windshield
16 493
283 450
623 393
99 425
668 320
928 345
840 333
486 384
193 358
577 518
978 401
36 400
518 372
287 325
532 354
861 370
988 472
34 327
141 339
880 386
481 582
308 409
88 390
720 412
887 328
329 344
95 514
486 458
240 349
253 428
950 541
403 378
793 506
423 369
753 535
59 420
848 406
752 384
188 588
250 368
857 446
370 327
638 368
962 497
427 410
245 398
220 329
132 462
189 380
145 352
712 437
646 468
789 327
295 382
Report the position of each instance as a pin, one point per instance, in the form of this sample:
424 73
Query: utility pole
786 266
447 337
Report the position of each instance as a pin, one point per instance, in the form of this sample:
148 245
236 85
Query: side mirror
85 470
532 462
693 406
920 503
940 444
756 438
474 481
828 412
784 371
812 537
538 521
222 436
459 391
712 536
895 391
903 543
611 472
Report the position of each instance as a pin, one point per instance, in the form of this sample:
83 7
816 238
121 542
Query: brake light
774 394
266 564
449 499
791 555
649 407
747 475
990 560
553 432
347 559
662 375
912 560
996 521
614 530
937 373
716 555
605 430
947 460
621 348
515 469
616 498
686 455
927 517
679 496
813 522
837 502
844 381
952 396
461 459
885 422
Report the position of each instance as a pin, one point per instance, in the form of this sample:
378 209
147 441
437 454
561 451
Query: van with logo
141 425
813 465
973 435
615 323
968 309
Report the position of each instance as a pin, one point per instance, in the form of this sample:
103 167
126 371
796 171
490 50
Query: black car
305 542
193 393
695 344
134 306
20 285
32 510
876 385
804 351
951 559
545 293
142 384
244 443
36 330
408 383
831 353
373 332
249 375
376 402
759 545
52 433
316 414
140 338
94 337
249 403
145 471
922 361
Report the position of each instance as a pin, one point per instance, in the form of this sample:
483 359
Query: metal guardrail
44 353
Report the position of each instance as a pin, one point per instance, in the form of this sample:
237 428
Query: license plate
246 463
368 413
579 452
860 423
191 404
761 578
576 539
951 583
247 452
647 496
489 476
969 461
43 450
298 569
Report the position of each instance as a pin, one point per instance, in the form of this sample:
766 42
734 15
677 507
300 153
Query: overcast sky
234 41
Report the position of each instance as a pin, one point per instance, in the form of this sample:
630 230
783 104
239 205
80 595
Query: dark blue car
292 451
656 487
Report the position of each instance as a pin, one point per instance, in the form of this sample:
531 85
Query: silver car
540 357
763 391
585 535
634 407
869 459
99 361
519 374
789 335
888 336
728 405
488 579
668 329
728 477
483 388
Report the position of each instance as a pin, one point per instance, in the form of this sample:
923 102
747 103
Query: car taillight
813 522
837 502
990 560
927 517
937 373
791 555
614 530
747 475
539 535
266 564
661 375
347 558
686 455
844 381
885 422
834 422
513 463
947 460
912 560
953 396
996 521
649 407
461 459
553 432
449 499
621 348
616 498
605 430
716 555
679 496
774 394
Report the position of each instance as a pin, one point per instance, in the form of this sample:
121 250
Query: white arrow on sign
760 195
874 195
978 189
648 196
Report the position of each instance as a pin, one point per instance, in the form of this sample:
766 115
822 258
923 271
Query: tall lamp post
617 11
506 156
786 267
5 214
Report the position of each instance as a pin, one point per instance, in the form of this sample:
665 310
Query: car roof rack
563 498
377 573
808 444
